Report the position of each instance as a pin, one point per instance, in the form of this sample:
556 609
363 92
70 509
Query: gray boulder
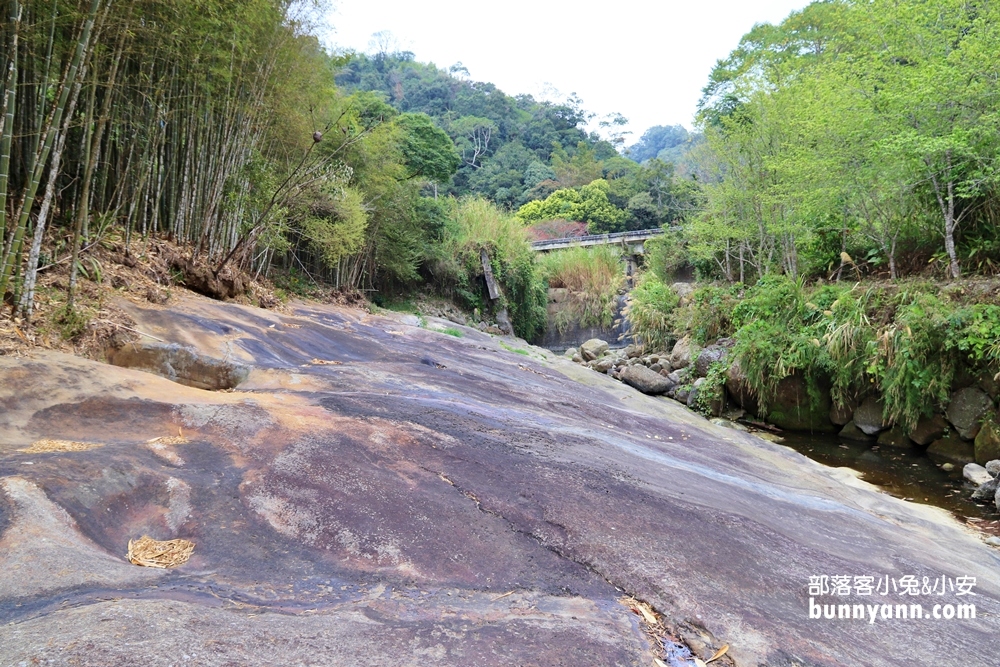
739 389
993 467
645 380
928 429
708 356
571 352
593 349
603 365
680 356
987 490
682 393
868 416
841 414
976 474
967 408
633 351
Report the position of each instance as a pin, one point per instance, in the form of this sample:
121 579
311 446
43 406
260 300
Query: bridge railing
596 239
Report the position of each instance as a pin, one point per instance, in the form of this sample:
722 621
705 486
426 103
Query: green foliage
451 331
589 204
651 311
428 151
475 224
594 278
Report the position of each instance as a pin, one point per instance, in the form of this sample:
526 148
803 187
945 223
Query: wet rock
993 468
952 449
967 408
928 429
895 437
987 444
593 349
726 423
684 350
852 432
793 409
976 474
707 357
645 380
182 364
841 414
987 491
869 416
770 437
947 467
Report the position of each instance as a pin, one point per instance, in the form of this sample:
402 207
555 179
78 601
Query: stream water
905 473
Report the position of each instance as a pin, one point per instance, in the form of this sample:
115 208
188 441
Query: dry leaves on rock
148 552
48 445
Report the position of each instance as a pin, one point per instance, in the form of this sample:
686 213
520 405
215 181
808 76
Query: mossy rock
793 409
987 446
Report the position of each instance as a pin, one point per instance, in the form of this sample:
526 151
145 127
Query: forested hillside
863 128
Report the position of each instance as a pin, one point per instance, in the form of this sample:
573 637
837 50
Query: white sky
646 60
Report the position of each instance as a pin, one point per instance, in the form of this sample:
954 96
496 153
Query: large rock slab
376 493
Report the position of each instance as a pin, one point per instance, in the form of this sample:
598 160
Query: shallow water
905 473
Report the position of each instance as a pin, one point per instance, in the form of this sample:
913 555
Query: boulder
868 417
996 500
571 352
967 408
683 290
577 358
993 468
593 349
852 432
841 414
895 437
656 368
987 445
681 393
976 474
708 356
603 365
645 380
793 409
717 406
738 388
987 490
928 429
988 383
952 449
683 352
633 351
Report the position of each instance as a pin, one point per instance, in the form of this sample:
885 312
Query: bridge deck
596 239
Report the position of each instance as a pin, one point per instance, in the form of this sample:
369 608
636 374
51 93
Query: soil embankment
378 493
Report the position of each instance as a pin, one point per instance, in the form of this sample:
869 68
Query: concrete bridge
632 244
633 240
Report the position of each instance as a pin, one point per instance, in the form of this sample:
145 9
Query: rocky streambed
375 492
965 436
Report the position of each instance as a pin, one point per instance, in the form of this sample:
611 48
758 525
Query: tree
428 150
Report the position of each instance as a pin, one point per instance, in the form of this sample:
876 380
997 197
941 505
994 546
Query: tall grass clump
594 278
474 224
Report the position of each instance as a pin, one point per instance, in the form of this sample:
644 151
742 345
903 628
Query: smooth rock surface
976 474
375 493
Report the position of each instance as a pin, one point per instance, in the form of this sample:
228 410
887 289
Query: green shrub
594 278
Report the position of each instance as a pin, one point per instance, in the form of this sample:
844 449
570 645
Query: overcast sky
646 60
